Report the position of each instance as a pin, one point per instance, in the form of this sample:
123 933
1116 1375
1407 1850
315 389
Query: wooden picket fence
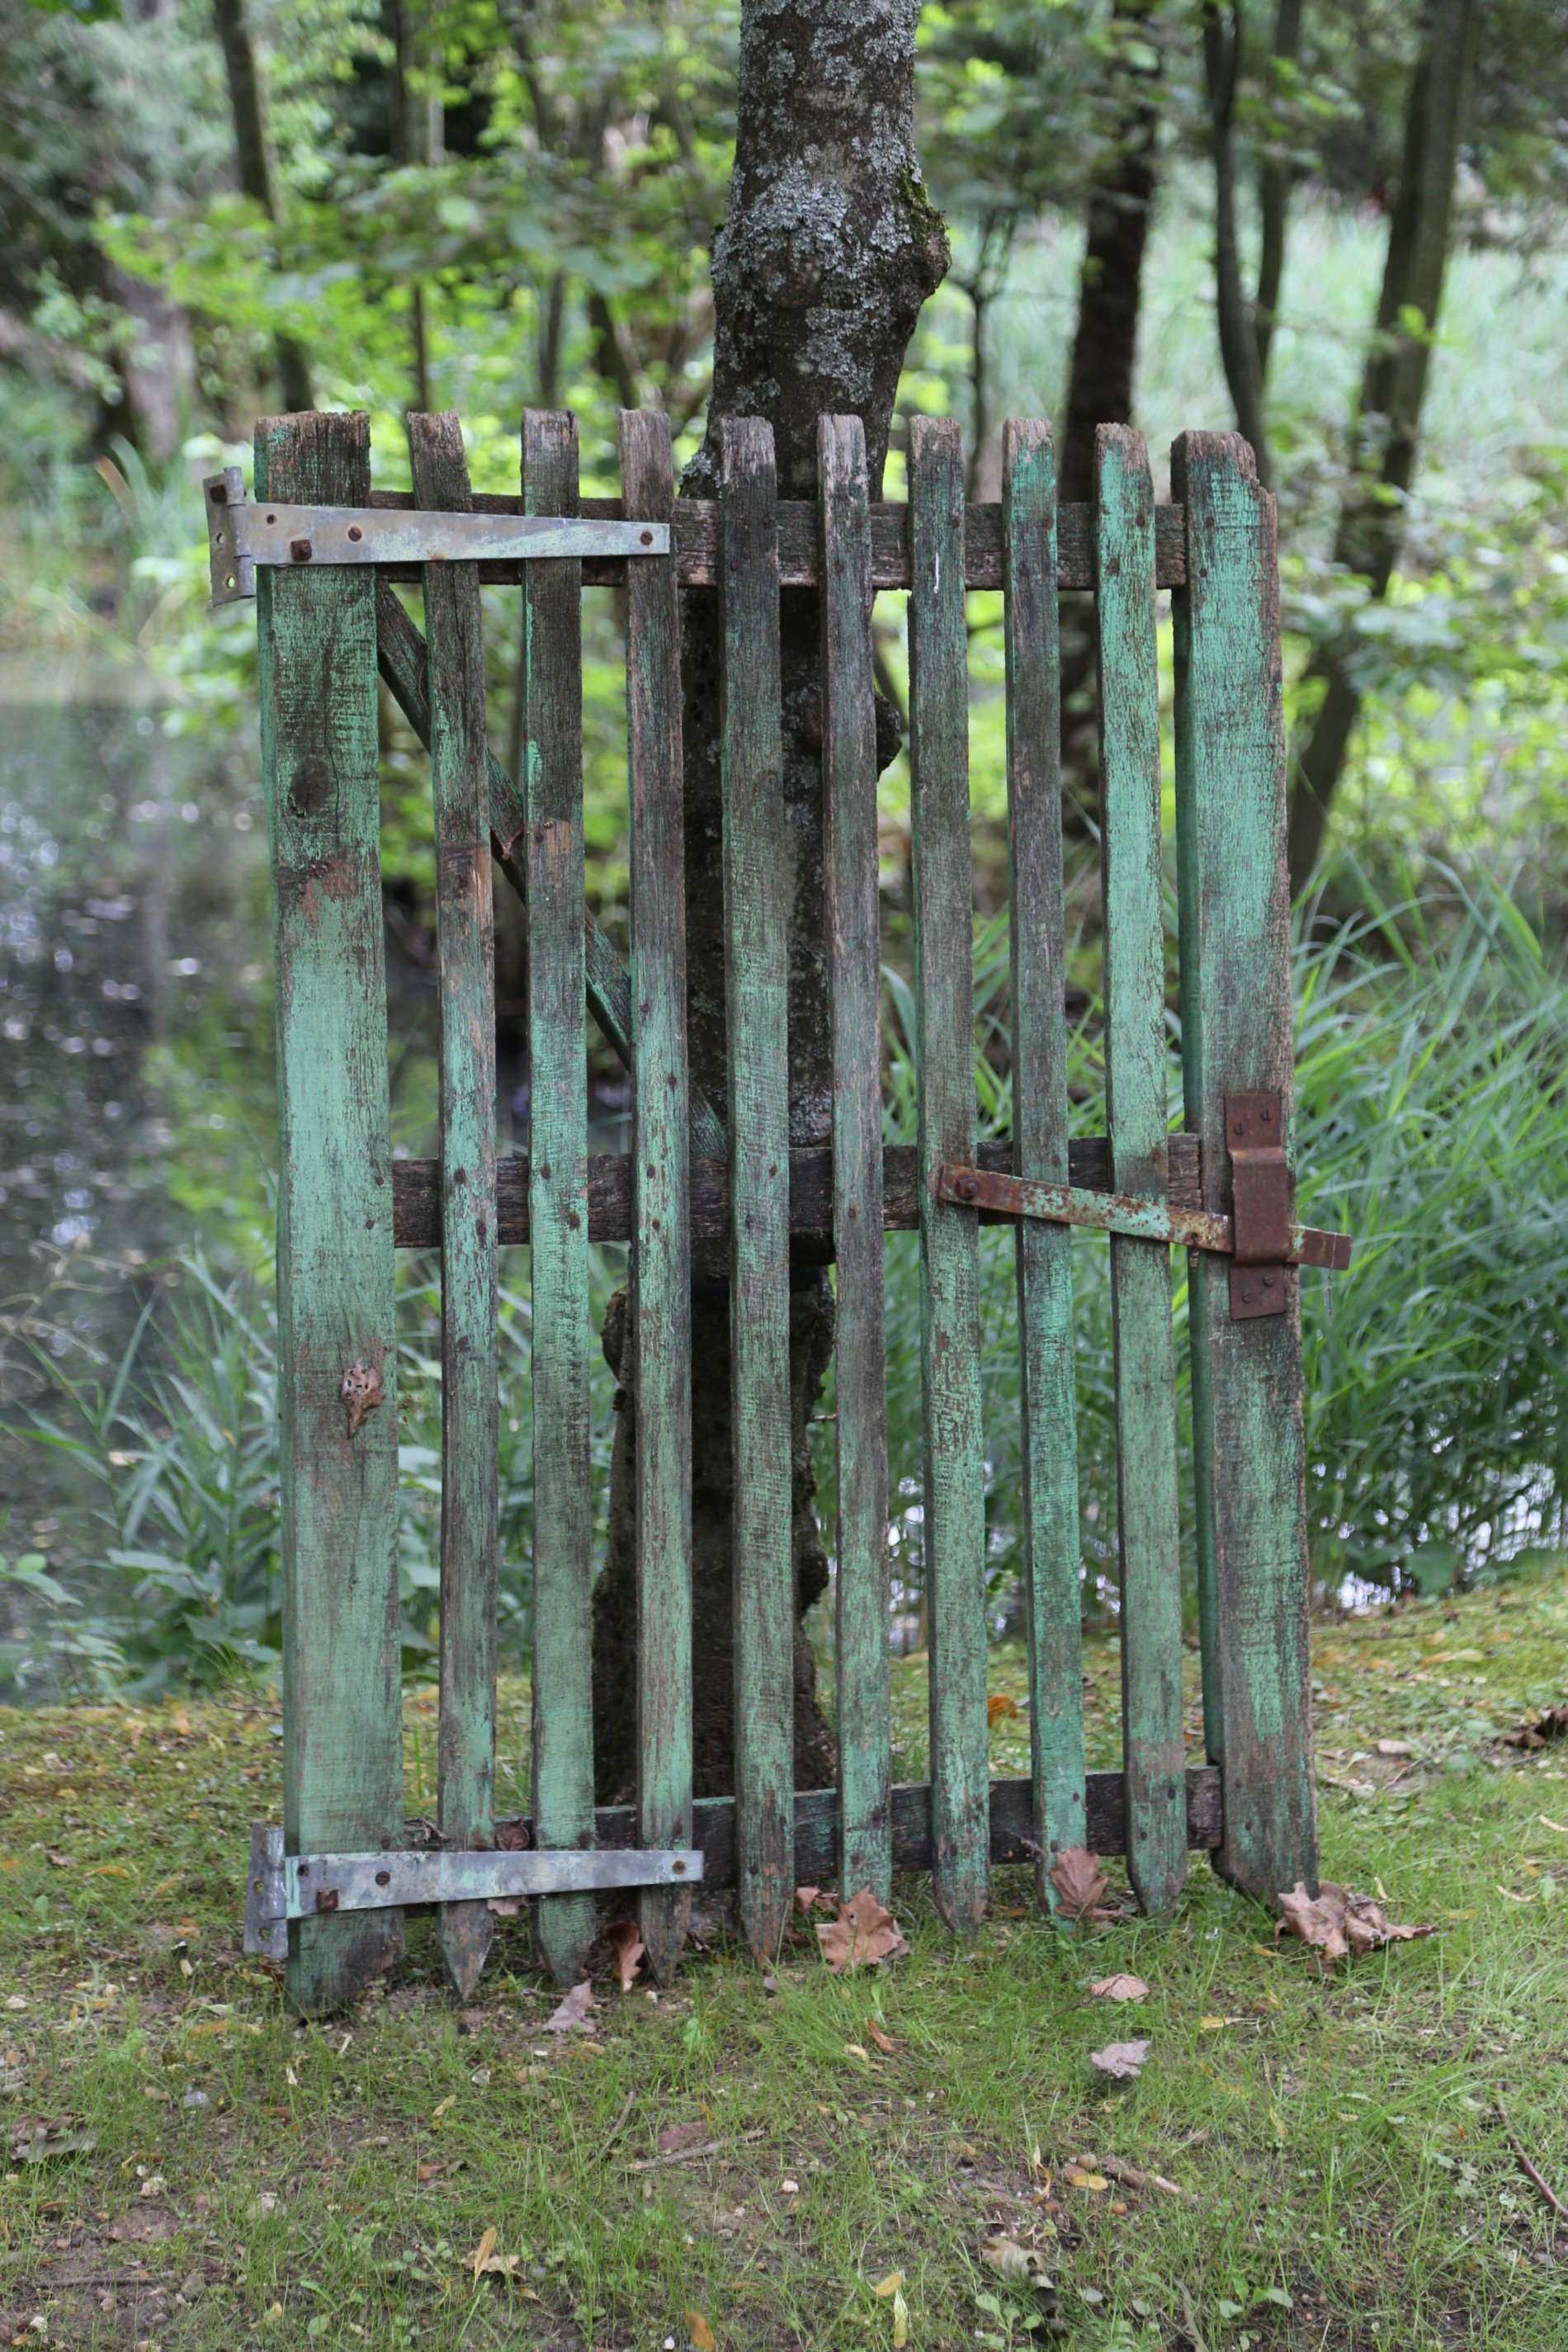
328 1886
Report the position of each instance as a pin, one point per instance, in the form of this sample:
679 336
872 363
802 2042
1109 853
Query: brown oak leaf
1122 2060
629 1948
1081 1885
1340 1922
864 1931
572 2016
1120 1988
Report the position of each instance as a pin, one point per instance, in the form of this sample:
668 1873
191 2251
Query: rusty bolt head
647 539
300 549
967 1189
354 531
326 1898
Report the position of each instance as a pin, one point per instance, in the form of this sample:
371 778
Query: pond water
136 1102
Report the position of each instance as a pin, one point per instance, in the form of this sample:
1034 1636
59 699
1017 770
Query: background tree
829 248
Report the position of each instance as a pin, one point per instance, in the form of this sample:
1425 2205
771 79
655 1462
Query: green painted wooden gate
320 554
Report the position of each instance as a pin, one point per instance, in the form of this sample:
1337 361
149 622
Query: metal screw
678 1869
967 1189
647 539
383 1877
354 531
300 549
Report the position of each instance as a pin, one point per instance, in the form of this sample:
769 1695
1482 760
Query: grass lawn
187 2167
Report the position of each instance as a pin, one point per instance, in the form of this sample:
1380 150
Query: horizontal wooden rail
1012 1825
417 1212
696 534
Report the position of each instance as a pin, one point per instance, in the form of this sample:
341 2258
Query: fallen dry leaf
863 1932
572 2016
1122 2060
1000 1709
629 1949
506 1907
901 2322
804 1898
1339 1922
1077 2178
1395 1748
701 2334
1005 2255
1535 1731
1121 1988
889 2285
884 2041
675 2136
1080 1882
483 2251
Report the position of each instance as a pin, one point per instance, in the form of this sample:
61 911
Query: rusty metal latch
1260 1201
242 533
283 1887
1261 1238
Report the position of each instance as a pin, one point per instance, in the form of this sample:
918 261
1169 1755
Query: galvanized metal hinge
283 1887
242 533
1261 1237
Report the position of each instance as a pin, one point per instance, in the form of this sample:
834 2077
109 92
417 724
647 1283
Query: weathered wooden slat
416 1198
1036 956
696 537
400 650
661 1248
342 1750
1237 1034
954 1521
558 1220
1148 1512
470 1367
756 978
1011 1824
850 796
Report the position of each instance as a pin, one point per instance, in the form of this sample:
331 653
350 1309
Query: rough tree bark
829 248
1388 420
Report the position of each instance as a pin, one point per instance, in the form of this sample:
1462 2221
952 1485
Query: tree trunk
1120 204
829 250
1100 379
1238 339
1388 420
1274 180
256 178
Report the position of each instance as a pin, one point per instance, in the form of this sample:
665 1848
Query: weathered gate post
342 1760
1237 1036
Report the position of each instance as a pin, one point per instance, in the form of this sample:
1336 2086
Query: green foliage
176 1578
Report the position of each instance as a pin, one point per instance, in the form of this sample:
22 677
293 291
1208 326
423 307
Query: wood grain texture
558 1209
1148 1508
342 1750
955 1522
469 1365
1235 1036
849 795
416 1208
660 1334
401 653
756 976
696 541
1037 952
1011 1825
